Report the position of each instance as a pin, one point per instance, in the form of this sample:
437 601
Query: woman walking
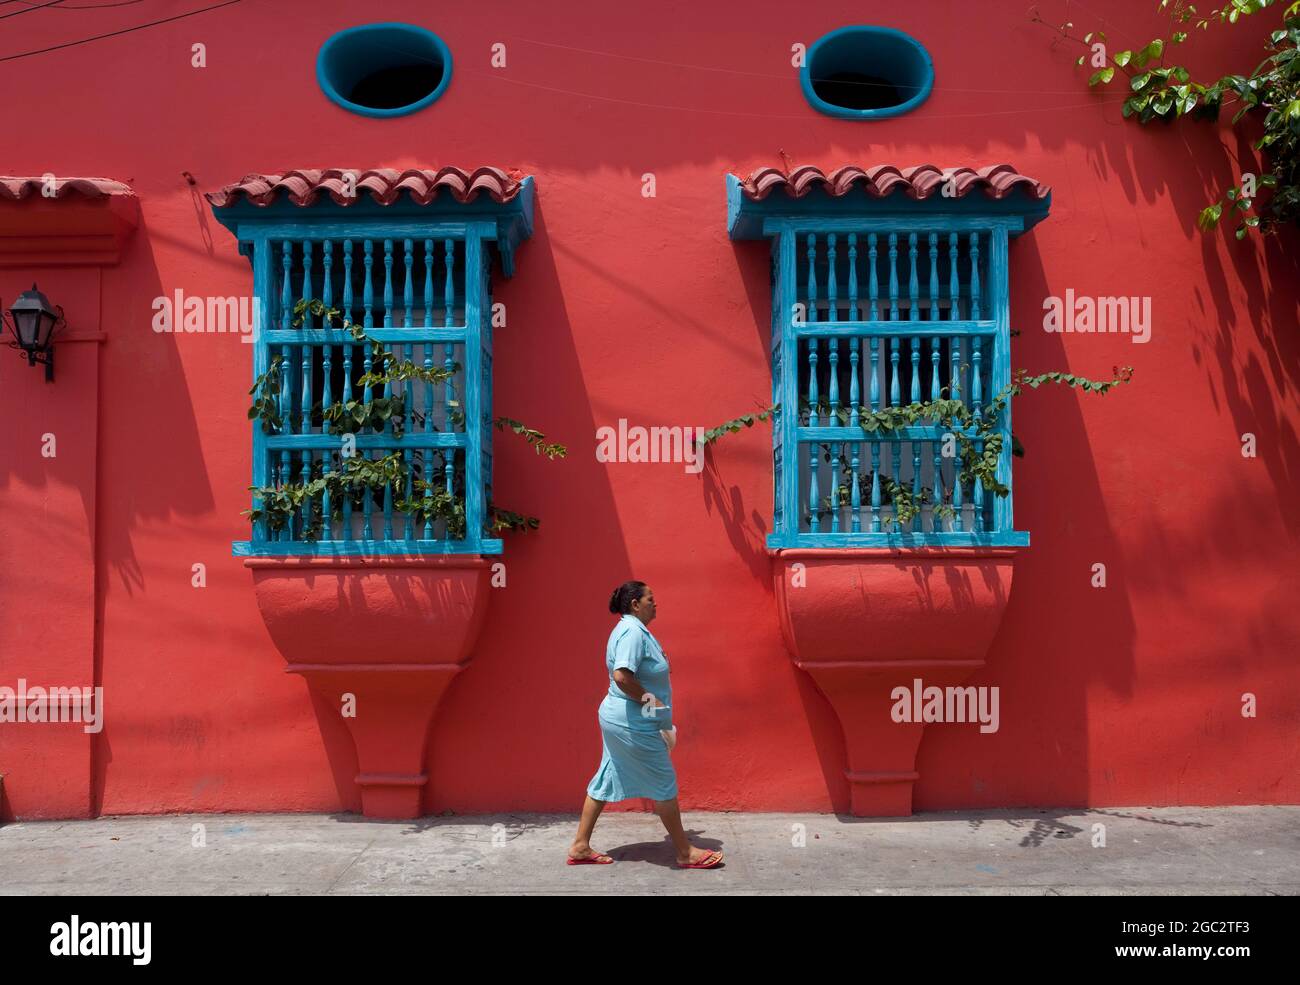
637 732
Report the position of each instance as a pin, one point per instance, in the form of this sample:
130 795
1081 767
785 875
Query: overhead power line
115 34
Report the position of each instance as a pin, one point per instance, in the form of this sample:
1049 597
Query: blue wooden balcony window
876 307
419 283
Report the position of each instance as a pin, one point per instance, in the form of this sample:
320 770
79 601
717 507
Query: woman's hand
656 710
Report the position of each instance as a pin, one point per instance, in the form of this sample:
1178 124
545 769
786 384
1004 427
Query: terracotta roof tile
15 189
385 185
921 181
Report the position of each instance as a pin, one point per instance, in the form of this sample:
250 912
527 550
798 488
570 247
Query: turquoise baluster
449 285
388 283
305 351
832 291
936 521
854 343
833 345
347 372
895 394
934 277
915 350
874 387
975 276
875 487
814 491
958 394
367 530
368 287
286 371
813 342
449 304
918 521
896 458
327 398
977 398
895 391
855 494
386 427
408 402
368 303
853 276
893 276
305 363
913 302
871 283
368 319
388 315
426 454
812 279
875 444
388 510
913 292
934 314
954 280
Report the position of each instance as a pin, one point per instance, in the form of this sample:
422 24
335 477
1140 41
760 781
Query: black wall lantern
32 320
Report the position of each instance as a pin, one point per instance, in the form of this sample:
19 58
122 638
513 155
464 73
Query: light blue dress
634 761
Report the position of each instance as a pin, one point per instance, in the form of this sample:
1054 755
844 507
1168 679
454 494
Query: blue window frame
418 280
878 303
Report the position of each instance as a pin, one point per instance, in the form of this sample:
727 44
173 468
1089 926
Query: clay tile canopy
363 197
883 188
48 220
17 189
385 186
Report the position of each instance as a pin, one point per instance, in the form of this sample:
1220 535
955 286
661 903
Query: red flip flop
710 860
597 859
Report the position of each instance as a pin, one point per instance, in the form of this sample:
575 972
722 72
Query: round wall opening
865 73
384 69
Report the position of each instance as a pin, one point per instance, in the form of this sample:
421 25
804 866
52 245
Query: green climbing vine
977 439
735 424
1268 101
303 505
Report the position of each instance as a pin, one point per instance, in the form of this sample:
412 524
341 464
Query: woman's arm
629 685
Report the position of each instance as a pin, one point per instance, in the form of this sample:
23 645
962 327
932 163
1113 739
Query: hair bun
614 600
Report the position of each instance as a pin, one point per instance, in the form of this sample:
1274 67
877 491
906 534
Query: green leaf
1122 58
1209 217
1152 50
1102 75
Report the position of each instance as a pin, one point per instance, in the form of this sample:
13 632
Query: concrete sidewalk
1232 850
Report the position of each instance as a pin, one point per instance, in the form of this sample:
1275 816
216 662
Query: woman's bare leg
581 847
671 816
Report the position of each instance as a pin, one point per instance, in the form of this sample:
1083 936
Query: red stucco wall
642 308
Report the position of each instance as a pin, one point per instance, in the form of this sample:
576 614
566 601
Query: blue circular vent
866 73
384 69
